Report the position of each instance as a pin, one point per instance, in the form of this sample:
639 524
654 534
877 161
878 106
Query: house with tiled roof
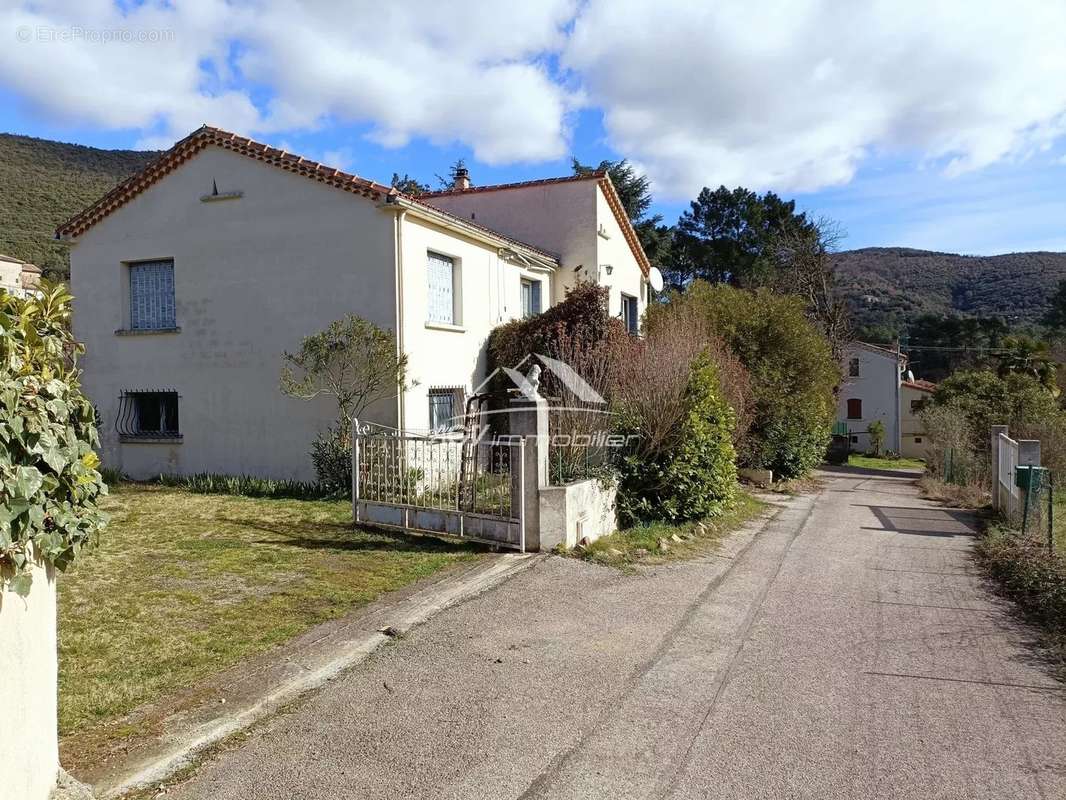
871 393
194 276
17 276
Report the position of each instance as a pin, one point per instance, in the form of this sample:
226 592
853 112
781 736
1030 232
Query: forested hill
886 285
43 183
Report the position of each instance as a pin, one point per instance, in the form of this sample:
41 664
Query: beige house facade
913 396
192 278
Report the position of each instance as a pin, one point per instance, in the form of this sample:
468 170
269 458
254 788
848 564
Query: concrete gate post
529 419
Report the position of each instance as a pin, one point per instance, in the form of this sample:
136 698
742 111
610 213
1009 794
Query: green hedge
694 476
793 373
49 483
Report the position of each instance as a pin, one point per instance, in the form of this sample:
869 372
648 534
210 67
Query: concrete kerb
319 660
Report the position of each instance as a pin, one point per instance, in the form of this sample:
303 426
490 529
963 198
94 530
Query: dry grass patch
185 585
967 496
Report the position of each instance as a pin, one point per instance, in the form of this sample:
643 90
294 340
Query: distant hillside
42 183
886 285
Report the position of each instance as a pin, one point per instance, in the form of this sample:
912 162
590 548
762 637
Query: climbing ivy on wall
49 482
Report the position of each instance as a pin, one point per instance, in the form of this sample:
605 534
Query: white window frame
536 297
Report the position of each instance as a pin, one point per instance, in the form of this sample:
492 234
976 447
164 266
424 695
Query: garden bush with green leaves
791 367
49 482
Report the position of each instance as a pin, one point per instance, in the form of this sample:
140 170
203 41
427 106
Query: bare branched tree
804 269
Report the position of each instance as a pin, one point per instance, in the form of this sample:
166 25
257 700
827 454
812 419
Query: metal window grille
440 271
148 414
152 295
445 409
853 368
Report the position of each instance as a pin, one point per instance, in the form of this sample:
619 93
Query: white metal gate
440 484
1009 495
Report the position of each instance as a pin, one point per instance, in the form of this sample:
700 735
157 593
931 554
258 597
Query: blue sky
939 125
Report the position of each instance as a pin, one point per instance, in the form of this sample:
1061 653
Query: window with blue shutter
152 296
440 271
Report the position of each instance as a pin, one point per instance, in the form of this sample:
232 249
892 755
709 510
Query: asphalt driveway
848 650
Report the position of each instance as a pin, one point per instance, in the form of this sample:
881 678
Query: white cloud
788 94
794 95
467 72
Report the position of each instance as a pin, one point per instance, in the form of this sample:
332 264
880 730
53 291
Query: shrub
356 363
49 483
331 453
1035 578
792 370
580 322
681 465
876 429
986 399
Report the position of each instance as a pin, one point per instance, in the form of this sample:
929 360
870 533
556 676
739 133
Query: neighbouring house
871 391
192 277
17 276
913 395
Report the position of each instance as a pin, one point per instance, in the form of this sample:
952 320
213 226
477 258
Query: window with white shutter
440 271
152 296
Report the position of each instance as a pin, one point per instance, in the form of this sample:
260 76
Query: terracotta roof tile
193 144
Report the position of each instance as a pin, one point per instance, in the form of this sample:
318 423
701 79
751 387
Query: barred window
445 409
152 296
853 368
149 415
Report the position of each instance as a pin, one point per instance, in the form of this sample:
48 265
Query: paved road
849 650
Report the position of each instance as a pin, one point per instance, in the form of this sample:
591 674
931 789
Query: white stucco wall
29 744
489 294
580 510
876 386
10 275
253 276
563 218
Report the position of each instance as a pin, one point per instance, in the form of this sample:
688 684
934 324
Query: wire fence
1040 517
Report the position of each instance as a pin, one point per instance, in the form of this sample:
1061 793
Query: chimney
462 178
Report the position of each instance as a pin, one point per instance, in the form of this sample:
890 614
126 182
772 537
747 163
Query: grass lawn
869 462
185 585
641 544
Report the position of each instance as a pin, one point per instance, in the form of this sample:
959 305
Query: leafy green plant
356 363
791 368
876 430
49 483
685 473
246 486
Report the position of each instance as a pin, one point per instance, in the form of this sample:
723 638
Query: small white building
191 278
871 391
17 276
